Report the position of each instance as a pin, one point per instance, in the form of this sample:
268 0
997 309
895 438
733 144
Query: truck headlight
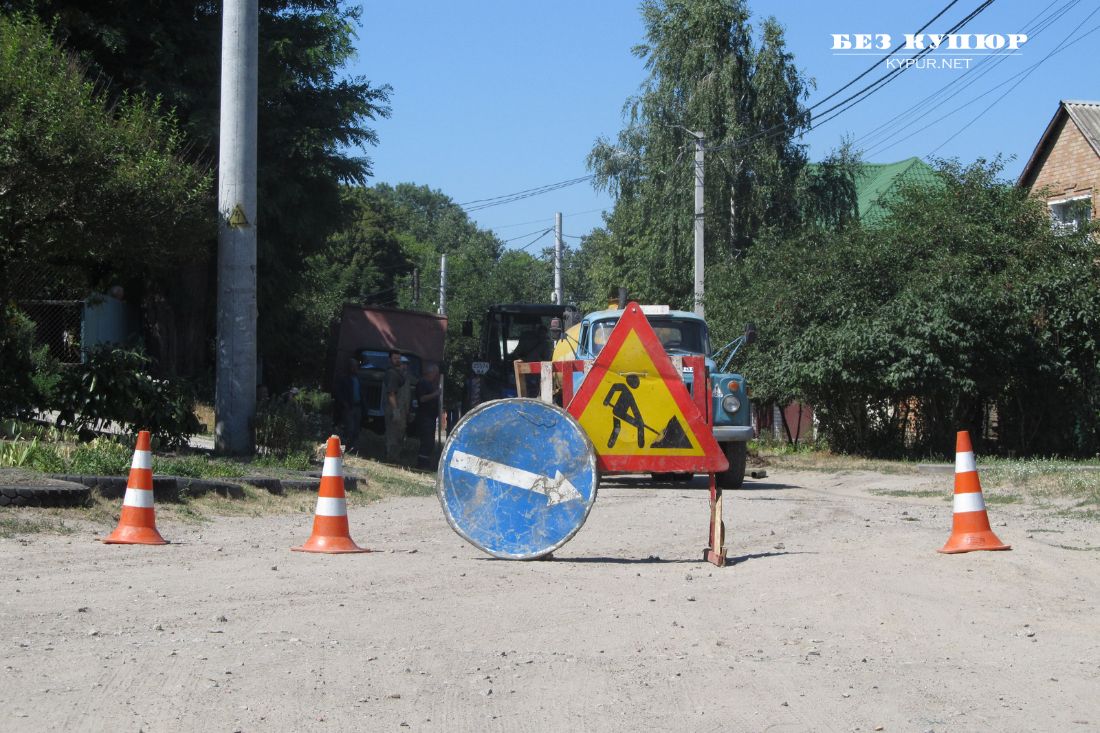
731 404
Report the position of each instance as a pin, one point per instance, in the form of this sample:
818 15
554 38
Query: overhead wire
974 100
886 131
485 203
1065 43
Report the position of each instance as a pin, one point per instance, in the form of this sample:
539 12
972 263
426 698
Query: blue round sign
517 478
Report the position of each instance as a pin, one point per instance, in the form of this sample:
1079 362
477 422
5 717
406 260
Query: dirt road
836 614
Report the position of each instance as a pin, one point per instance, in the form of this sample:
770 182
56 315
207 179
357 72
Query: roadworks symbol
633 411
634 406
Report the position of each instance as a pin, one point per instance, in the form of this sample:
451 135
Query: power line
852 100
523 236
533 241
875 65
547 218
864 93
1060 47
974 100
479 204
887 130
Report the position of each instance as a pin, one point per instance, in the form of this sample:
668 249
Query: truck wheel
737 455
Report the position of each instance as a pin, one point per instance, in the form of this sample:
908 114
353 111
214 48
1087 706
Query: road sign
637 411
517 478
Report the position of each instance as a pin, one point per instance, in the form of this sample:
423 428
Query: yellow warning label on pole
237 219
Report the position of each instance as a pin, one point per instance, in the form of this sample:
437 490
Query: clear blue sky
496 96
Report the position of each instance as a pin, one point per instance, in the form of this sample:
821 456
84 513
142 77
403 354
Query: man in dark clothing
427 412
396 404
349 401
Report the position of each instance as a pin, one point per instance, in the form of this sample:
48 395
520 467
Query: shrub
281 426
113 385
101 457
31 454
17 389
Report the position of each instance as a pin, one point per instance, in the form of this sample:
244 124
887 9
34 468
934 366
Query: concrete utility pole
443 284
700 276
558 295
442 312
235 390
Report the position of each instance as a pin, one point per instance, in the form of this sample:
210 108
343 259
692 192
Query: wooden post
716 552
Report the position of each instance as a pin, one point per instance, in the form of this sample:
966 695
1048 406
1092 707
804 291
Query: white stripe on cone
333 467
140 498
142 459
964 462
972 502
328 506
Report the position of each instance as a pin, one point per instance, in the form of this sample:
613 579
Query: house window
1069 215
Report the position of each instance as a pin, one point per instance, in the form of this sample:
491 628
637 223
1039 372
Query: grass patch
827 462
387 480
1002 498
16 523
914 494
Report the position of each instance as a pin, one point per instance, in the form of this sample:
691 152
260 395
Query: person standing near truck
427 412
350 403
396 407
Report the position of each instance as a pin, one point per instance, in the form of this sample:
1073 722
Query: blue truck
683 333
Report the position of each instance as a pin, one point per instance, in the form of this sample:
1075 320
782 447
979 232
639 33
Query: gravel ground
836 613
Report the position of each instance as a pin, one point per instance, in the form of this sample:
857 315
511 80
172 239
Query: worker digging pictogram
624 408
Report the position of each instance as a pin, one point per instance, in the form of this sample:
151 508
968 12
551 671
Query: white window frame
1058 223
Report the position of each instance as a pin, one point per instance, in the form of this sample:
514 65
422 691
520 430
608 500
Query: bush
281 426
292 423
960 309
101 457
32 455
18 393
113 385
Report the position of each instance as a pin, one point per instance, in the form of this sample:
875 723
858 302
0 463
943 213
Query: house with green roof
877 182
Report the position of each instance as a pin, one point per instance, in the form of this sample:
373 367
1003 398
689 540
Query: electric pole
235 389
699 258
443 284
558 295
442 312
416 287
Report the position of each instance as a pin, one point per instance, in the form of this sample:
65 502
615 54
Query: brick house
1065 166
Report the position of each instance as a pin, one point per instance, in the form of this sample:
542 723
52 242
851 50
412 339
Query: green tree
959 309
708 72
88 188
311 123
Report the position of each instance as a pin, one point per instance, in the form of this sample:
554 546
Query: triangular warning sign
637 410
237 218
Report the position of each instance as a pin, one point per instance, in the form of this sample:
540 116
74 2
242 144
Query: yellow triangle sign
637 410
237 218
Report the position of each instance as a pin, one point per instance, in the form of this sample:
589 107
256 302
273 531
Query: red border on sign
713 459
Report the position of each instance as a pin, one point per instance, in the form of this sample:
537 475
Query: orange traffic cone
970 530
330 522
138 523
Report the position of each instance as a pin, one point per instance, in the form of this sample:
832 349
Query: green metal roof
878 181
